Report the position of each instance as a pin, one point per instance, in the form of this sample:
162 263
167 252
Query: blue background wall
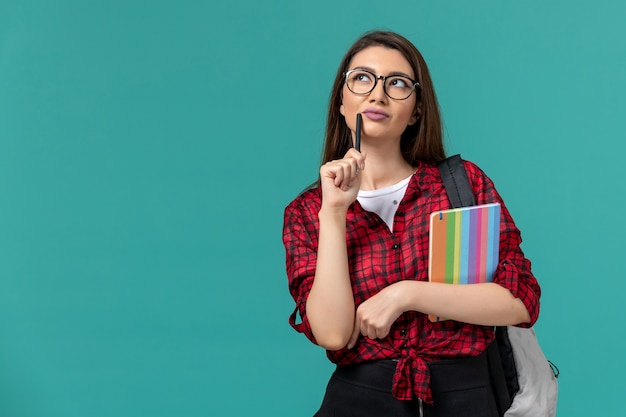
147 150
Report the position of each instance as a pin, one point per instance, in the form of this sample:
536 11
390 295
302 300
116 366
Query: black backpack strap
460 194
497 376
508 360
456 182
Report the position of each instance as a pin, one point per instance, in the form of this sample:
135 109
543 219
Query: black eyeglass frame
379 77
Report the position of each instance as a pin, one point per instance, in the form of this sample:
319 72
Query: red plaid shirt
378 258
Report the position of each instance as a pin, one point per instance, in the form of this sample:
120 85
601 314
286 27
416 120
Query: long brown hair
422 141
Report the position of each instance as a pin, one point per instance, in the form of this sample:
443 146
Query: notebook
464 245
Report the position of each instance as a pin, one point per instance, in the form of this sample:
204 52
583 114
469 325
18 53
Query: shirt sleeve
514 269
300 240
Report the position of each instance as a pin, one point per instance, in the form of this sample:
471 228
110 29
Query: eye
399 82
361 77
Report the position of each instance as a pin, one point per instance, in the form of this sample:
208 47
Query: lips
375 114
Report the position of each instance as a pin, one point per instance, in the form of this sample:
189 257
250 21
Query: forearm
330 304
486 304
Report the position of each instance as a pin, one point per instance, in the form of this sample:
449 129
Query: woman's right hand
340 180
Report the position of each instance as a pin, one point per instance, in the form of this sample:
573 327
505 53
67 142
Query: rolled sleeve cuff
303 326
508 276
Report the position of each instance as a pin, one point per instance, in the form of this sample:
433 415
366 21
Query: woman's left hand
375 315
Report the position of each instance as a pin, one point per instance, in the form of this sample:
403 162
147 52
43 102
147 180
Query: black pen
357 144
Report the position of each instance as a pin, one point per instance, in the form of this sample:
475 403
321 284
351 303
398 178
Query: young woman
357 251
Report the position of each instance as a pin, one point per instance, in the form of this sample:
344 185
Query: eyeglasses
397 87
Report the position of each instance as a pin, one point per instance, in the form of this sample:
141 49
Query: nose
378 93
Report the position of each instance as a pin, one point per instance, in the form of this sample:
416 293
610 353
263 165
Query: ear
416 116
342 110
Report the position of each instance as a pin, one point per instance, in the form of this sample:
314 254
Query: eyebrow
388 75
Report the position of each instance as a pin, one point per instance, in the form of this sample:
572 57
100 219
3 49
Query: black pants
460 388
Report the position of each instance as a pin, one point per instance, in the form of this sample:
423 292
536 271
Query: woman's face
383 117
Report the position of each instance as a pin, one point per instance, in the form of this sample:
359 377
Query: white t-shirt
384 201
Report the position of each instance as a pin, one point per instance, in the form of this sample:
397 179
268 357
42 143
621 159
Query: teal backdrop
147 150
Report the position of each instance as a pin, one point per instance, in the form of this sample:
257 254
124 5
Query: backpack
523 380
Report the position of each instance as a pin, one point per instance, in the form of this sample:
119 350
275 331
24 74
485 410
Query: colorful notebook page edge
483 226
465 247
451 227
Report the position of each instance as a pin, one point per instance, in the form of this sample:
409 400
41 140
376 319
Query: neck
384 166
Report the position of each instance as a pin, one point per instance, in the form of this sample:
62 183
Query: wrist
406 294
332 212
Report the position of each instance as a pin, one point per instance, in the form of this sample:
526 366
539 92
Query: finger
359 157
352 175
328 170
366 328
336 171
382 333
349 173
338 180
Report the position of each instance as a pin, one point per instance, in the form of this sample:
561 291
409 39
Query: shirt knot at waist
412 379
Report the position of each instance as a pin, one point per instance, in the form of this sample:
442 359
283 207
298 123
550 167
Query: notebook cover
464 245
